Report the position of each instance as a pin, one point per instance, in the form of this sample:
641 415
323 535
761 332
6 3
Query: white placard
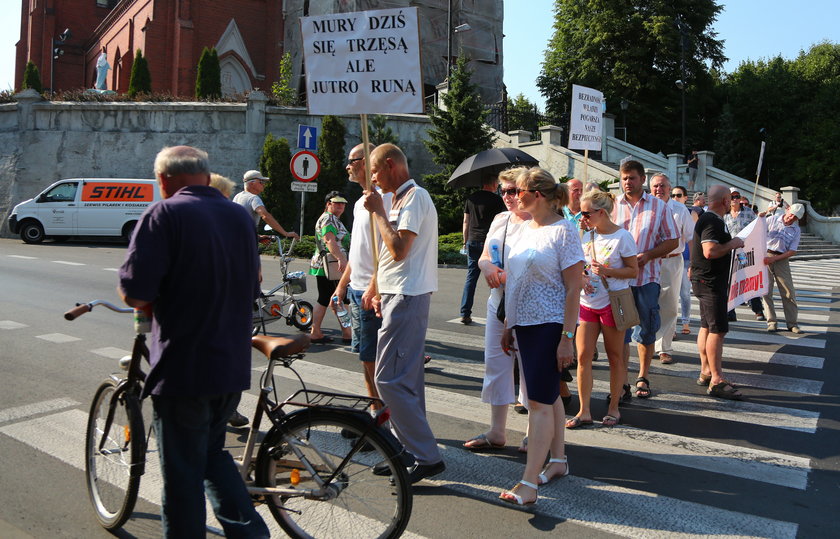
748 275
363 62
585 131
301 187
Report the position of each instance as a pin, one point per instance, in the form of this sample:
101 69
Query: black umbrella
474 169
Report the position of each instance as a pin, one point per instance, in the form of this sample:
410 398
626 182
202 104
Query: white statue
102 67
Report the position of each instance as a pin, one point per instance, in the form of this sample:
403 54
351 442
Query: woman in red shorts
610 253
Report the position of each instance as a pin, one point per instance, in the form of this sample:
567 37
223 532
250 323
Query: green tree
208 79
631 50
274 164
281 89
31 78
379 132
140 81
522 114
458 131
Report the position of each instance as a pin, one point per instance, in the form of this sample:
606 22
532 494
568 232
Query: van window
66 192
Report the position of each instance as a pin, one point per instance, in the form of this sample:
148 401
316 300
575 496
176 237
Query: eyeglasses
509 192
353 160
262 182
677 195
520 191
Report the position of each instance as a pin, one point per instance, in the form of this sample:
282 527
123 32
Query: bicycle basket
296 281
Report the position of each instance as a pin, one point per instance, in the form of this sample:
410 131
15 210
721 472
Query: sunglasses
587 214
736 197
676 195
520 191
351 161
509 192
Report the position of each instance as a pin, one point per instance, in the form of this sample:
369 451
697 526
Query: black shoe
466 320
519 408
237 420
349 434
405 458
422 471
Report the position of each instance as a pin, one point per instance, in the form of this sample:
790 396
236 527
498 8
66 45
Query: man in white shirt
670 279
254 185
406 278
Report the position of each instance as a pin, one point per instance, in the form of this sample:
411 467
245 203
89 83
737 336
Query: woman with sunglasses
498 389
542 295
610 253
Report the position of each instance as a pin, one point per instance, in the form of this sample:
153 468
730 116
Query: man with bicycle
200 346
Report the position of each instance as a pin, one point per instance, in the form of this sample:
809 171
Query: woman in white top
610 254
544 274
498 389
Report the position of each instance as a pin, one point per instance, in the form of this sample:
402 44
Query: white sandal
544 478
514 498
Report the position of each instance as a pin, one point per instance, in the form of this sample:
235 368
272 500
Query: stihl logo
118 192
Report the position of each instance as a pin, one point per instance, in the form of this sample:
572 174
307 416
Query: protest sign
748 275
585 131
363 62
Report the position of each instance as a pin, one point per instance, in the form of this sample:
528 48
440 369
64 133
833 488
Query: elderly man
782 242
572 211
201 339
711 257
254 184
406 278
671 273
359 272
698 205
647 218
479 210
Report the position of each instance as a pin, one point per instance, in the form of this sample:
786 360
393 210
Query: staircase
813 247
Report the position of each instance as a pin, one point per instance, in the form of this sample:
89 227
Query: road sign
308 138
305 166
302 187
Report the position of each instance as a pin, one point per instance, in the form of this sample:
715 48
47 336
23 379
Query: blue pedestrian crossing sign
307 138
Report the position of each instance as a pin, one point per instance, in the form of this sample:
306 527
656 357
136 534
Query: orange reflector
126 433
294 477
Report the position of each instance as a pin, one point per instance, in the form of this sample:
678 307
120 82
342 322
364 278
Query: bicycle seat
280 347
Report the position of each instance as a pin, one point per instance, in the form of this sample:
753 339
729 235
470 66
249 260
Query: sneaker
772 327
237 420
760 317
795 329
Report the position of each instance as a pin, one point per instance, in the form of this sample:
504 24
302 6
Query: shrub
208 79
140 81
31 78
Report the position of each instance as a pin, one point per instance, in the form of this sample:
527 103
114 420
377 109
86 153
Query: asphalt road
681 463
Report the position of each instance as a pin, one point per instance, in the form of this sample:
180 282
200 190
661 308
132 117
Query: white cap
252 175
734 190
797 210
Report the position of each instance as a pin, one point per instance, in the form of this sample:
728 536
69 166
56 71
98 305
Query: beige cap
252 175
797 210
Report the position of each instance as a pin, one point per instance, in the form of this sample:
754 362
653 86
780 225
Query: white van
84 207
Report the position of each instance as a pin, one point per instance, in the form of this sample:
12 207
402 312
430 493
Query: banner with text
363 62
587 108
748 276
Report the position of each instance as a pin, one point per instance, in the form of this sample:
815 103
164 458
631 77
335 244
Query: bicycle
271 306
323 468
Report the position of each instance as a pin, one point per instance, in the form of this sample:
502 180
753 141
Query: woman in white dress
544 275
610 254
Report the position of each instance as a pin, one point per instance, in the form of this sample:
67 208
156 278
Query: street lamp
464 27
624 105
681 83
57 52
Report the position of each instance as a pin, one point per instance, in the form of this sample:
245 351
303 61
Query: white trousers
670 280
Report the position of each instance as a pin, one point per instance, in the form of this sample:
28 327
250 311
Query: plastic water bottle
494 256
143 319
341 312
595 281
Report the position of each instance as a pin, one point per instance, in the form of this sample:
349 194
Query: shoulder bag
621 301
500 310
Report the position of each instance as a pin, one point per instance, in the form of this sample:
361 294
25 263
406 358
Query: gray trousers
780 271
399 372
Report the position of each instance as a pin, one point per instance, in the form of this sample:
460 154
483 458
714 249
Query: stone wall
43 142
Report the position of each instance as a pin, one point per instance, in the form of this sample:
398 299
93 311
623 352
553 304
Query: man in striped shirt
647 218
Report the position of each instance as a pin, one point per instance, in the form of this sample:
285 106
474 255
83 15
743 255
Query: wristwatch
569 334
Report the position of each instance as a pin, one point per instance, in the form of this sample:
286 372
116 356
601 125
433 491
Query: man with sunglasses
249 198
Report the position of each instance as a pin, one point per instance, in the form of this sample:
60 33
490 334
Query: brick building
247 35
250 37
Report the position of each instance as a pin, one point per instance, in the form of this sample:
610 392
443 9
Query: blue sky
751 30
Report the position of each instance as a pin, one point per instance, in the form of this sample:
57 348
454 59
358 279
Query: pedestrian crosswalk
680 463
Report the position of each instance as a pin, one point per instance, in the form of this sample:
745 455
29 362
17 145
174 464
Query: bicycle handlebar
82 308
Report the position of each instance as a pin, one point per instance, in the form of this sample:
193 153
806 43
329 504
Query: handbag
500 310
622 303
330 264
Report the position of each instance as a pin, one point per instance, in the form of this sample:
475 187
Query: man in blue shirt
782 242
193 257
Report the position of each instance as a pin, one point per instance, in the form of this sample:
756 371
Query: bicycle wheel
302 315
360 503
113 473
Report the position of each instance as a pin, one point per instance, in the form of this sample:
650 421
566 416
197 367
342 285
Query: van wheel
32 232
127 230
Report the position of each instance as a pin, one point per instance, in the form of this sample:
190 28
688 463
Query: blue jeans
365 326
647 303
474 250
191 437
